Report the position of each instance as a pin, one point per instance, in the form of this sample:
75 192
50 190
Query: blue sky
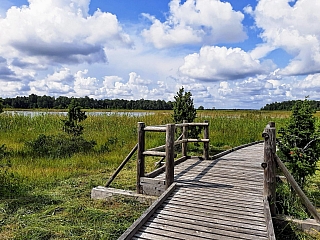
229 54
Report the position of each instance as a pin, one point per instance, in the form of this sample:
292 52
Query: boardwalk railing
166 151
271 160
169 154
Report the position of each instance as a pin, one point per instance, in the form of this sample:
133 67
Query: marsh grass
56 204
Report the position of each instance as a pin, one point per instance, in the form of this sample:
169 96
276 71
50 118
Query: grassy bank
54 201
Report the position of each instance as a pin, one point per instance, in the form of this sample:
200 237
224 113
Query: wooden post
184 137
206 144
269 136
170 154
140 157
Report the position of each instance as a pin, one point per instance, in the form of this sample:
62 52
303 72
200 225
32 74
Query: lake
37 113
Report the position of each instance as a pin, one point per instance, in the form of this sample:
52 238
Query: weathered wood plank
251 223
179 233
232 193
211 220
190 225
216 207
222 201
149 233
238 218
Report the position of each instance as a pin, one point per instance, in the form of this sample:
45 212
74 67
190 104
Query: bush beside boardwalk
54 201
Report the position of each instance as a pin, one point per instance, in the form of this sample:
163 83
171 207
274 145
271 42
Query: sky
229 54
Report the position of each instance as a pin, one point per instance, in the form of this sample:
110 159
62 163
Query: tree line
288 105
62 102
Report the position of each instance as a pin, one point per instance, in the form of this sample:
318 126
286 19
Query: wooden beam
134 149
295 186
197 140
154 153
155 129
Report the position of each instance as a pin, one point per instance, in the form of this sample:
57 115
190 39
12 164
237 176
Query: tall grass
117 133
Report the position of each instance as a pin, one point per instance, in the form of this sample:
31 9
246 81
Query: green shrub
298 142
58 146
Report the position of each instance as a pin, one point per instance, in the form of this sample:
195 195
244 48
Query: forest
287 105
47 102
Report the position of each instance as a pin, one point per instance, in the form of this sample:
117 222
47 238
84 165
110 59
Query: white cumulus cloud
293 29
221 63
196 22
59 31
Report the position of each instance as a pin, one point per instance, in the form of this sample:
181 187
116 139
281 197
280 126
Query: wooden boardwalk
212 199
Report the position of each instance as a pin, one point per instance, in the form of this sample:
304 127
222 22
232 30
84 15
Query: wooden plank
175 232
222 197
206 228
235 192
237 218
200 165
220 200
212 220
226 209
153 235
129 233
250 223
216 185
223 179
219 205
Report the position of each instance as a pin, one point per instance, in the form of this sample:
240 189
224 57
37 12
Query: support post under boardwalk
184 137
269 135
206 144
170 154
140 157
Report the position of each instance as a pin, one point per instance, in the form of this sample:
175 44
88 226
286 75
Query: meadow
52 196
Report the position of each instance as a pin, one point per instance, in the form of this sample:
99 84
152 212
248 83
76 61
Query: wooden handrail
269 165
306 202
